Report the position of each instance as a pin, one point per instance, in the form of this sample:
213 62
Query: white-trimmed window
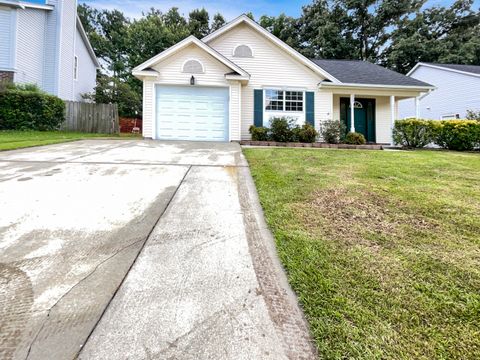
243 51
284 100
193 66
75 68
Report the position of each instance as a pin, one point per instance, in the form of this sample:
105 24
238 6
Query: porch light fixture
192 80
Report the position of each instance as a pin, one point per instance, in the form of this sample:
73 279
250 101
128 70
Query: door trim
156 85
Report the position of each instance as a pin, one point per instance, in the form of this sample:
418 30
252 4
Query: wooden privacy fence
91 118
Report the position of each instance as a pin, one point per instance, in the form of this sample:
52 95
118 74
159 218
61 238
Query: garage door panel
192 113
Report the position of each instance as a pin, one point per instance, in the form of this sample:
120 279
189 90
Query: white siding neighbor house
43 42
241 75
457 89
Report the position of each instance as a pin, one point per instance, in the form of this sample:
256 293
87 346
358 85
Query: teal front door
364 112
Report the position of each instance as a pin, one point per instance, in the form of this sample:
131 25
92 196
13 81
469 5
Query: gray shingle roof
364 72
474 69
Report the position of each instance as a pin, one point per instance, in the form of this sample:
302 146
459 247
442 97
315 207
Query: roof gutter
325 84
22 5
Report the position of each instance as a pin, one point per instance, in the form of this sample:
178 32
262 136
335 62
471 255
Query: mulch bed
312 145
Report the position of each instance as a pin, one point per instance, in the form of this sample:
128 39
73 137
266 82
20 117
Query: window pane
294 101
274 100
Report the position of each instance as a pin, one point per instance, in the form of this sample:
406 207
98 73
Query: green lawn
382 248
10 140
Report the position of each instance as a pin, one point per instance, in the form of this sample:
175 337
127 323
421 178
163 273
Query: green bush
282 130
413 133
332 131
25 107
307 134
460 135
259 133
355 138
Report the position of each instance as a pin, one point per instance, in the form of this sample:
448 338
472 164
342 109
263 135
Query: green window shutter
258 107
310 107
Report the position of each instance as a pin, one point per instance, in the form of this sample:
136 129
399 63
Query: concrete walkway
139 249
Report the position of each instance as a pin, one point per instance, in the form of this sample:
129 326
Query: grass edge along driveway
11 140
382 248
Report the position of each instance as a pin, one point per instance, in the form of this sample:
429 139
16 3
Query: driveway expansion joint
134 261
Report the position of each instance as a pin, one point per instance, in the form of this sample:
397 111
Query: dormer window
243 51
193 67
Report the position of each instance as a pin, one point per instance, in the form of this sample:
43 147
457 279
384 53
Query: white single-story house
457 89
241 75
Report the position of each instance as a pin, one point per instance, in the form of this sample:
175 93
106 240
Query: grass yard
382 248
10 140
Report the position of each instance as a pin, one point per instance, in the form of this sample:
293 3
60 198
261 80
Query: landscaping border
312 145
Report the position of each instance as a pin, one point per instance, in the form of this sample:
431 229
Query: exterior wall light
192 80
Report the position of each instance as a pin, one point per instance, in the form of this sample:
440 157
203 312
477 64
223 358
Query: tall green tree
286 28
218 22
199 23
352 29
436 34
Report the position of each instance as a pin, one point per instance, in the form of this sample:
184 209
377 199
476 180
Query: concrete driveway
139 249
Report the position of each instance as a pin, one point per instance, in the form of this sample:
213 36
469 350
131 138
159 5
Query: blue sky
228 8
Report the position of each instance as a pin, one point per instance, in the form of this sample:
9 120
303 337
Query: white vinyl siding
87 73
235 104
67 49
148 108
270 67
30 46
171 68
7 38
455 93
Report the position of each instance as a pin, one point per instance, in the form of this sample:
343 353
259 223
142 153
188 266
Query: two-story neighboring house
457 89
43 42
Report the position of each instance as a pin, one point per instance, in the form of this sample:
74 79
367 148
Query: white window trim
75 68
243 57
267 114
193 59
284 101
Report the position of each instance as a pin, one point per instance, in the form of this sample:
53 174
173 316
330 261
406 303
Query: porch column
417 107
352 113
392 117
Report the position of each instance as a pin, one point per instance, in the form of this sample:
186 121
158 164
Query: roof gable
243 19
183 44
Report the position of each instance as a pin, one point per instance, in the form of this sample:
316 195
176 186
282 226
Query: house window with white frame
75 68
284 100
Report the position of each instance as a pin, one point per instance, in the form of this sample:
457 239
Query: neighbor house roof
464 69
364 72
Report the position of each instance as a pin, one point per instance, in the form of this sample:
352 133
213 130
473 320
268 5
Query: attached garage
195 113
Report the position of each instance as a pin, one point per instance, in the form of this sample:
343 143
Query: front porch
368 110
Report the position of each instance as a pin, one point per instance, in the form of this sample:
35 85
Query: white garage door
192 113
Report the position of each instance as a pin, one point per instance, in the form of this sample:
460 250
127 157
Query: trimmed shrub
259 133
332 131
355 138
460 135
282 130
413 133
25 107
307 134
